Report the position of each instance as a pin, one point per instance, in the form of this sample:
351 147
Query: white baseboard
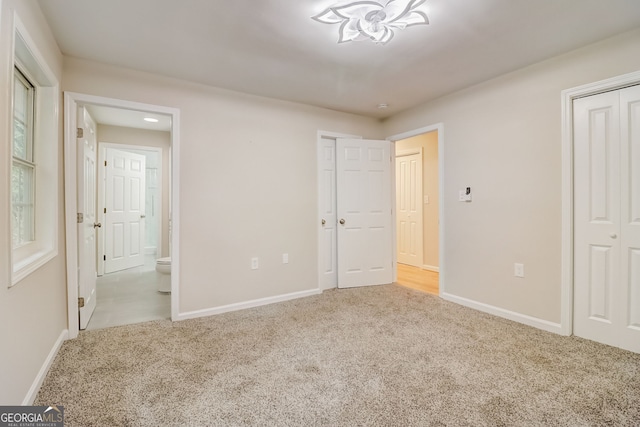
37 382
545 325
431 268
246 304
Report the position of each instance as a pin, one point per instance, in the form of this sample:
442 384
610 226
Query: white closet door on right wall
607 218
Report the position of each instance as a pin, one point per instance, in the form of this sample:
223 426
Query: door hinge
105 163
104 257
80 218
105 210
80 302
80 133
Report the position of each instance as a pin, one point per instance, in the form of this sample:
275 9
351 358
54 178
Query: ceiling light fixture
150 120
373 20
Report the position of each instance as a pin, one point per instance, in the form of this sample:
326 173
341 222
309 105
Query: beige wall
247 182
33 313
503 139
248 188
428 142
146 138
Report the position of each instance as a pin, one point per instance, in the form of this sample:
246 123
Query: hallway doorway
418 211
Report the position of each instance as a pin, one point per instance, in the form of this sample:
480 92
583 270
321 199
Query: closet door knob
323 222
613 235
342 221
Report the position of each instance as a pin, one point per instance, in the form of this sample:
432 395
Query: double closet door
607 218
356 229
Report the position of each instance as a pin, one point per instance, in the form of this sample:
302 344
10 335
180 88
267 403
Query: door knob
342 221
323 222
613 235
97 225
143 216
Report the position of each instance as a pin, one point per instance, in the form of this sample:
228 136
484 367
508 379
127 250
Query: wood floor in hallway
418 279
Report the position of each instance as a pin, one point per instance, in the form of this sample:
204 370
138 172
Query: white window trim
45 246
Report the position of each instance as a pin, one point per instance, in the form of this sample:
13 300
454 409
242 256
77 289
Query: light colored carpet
376 356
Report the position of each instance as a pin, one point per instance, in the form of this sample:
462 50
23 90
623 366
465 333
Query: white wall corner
545 325
247 304
44 369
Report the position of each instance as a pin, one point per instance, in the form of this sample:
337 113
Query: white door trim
102 148
440 128
71 101
567 97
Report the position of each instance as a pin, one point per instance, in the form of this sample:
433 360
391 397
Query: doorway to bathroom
127 285
124 292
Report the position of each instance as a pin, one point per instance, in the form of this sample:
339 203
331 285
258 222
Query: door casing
71 102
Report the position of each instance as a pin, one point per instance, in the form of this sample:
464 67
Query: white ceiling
273 48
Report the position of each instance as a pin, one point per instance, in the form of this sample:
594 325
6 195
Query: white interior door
86 198
607 218
363 175
409 209
328 258
125 215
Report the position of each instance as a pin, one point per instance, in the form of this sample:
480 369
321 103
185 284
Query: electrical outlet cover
518 270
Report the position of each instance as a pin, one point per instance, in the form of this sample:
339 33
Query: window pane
19 140
20 100
22 116
22 206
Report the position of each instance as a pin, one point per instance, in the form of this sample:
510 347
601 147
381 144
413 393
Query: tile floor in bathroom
130 296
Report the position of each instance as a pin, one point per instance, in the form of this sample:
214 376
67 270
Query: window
34 162
23 169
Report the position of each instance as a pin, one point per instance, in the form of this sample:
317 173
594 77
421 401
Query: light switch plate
518 270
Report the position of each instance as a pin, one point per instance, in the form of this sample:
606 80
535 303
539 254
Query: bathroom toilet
163 267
